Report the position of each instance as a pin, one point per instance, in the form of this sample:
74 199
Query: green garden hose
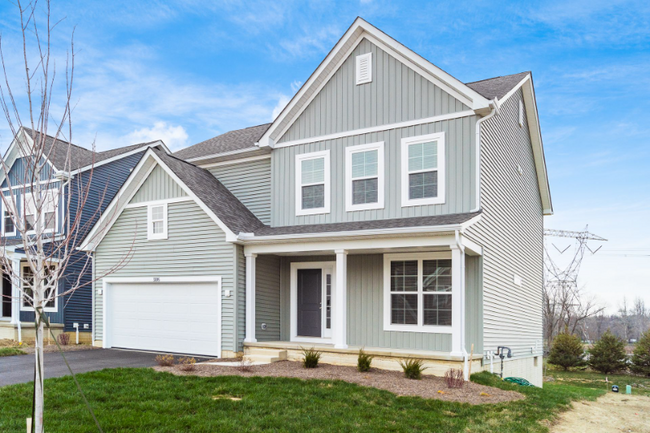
518 380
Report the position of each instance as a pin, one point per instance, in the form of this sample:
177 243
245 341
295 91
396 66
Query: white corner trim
381 175
438 137
378 128
298 181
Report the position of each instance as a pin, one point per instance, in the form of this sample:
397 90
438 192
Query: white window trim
358 78
298 181
405 143
24 307
349 151
325 267
41 218
150 234
388 326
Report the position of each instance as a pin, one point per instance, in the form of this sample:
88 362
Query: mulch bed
29 347
393 381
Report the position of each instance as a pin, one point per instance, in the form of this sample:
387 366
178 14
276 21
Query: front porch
395 297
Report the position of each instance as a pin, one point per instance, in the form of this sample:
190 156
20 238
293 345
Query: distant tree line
631 320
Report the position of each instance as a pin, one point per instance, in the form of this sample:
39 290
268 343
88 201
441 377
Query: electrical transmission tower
561 294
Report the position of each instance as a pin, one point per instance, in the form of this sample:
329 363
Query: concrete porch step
258 354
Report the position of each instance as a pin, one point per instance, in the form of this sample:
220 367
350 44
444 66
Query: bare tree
47 209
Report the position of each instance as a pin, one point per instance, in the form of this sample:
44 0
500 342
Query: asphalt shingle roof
230 141
213 194
497 87
438 220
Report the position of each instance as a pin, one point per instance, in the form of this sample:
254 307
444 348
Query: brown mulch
29 347
393 381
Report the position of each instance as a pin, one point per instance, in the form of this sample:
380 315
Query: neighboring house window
8 227
157 224
313 183
423 170
48 218
364 68
364 176
418 292
27 283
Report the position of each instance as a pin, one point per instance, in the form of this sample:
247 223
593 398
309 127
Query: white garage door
177 317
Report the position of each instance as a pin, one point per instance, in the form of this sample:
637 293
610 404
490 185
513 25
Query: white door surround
168 314
327 268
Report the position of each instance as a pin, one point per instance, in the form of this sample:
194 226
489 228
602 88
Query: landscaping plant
245 365
567 351
454 378
641 355
64 339
413 368
310 358
187 364
165 360
364 361
608 354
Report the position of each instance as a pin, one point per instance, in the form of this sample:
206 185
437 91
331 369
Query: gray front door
309 302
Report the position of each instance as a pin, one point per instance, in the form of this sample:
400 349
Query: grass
11 351
142 400
595 380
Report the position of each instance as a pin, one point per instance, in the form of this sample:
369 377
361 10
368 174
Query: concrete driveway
20 369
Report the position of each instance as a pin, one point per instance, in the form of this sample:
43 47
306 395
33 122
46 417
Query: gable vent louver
364 68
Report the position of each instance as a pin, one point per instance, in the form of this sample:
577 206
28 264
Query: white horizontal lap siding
250 182
395 94
511 232
460 174
195 247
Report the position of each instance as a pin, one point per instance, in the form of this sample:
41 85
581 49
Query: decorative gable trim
122 199
359 30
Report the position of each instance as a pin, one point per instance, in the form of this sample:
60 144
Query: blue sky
189 70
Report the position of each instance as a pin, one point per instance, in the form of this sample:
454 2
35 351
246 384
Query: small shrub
187 364
310 358
63 339
245 365
364 361
454 378
567 351
413 368
165 360
641 356
608 354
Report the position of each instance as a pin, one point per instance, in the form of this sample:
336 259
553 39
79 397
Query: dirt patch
393 381
610 413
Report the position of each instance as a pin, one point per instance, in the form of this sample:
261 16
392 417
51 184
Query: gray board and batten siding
511 233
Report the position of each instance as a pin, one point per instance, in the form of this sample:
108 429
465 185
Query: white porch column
15 292
457 301
250 298
340 327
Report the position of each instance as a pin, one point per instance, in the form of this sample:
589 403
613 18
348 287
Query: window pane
423 156
50 220
157 227
29 222
404 309
313 170
364 164
423 185
437 275
404 276
157 213
364 191
437 309
328 301
313 197
9 224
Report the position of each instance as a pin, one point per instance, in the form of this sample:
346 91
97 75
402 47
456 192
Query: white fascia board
362 29
120 156
222 154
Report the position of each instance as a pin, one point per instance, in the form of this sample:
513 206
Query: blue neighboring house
69 170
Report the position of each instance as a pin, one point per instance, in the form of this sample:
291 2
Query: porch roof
354 226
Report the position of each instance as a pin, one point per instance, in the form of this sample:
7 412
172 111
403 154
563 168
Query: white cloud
282 102
175 137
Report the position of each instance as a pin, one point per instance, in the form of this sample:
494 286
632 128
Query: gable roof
229 142
497 87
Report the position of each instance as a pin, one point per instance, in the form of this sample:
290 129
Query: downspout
495 110
462 304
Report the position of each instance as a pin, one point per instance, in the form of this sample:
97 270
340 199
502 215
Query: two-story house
77 185
389 207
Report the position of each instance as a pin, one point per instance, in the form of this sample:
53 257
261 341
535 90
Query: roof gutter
495 106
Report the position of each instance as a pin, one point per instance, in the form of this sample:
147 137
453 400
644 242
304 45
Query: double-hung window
313 183
46 217
364 177
27 285
8 226
157 221
417 292
423 170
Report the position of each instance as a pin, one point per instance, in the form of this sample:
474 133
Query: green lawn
141 400
594 380
11 351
